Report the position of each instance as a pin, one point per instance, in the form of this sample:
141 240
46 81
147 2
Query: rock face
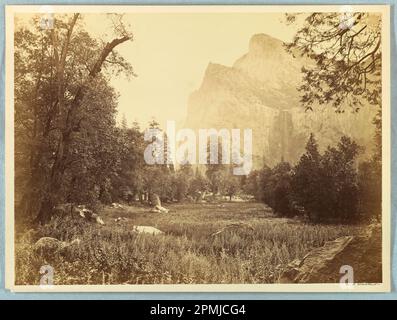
300 271
322 265
260 92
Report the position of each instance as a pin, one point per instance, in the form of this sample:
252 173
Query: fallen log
233 226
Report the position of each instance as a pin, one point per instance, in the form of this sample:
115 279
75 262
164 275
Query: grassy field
186 252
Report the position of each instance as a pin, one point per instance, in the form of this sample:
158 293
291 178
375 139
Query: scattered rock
199 196
238 199
79 210
117 205
159 209
97 219
83 212
147 229
49 245
90 215
156 203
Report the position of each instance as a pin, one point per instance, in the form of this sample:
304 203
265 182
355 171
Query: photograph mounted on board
198 148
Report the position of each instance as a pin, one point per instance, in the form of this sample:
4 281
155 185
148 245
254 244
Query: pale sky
171 52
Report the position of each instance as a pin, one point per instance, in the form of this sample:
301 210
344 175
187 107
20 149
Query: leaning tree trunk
55 181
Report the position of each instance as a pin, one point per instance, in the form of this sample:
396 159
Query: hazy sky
171 52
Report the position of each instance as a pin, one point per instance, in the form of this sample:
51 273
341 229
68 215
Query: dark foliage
324 188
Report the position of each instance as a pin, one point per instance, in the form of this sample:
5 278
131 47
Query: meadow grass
185 253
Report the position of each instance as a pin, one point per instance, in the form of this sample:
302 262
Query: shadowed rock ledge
322 265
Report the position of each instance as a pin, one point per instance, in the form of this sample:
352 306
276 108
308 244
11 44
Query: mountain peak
261 43
214 68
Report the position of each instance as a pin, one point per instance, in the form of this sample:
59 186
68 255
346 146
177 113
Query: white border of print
385 286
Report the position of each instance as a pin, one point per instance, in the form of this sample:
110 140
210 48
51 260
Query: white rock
147 229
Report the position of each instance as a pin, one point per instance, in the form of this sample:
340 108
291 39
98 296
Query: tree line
328 187
137 180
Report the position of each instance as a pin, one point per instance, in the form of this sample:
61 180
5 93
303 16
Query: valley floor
230 242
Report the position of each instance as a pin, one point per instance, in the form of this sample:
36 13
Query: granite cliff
260 92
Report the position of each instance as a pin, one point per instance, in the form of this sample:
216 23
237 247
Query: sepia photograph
198 148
